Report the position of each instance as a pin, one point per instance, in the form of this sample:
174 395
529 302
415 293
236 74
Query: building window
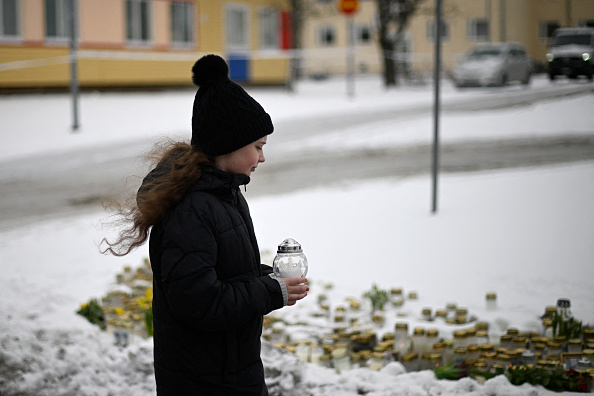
363 34
546 30
326 36
138 16
57 18
182 23
269 28
237 27
445 31
478 30
9 19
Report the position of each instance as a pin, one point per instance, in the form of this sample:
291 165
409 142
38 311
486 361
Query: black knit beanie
225 118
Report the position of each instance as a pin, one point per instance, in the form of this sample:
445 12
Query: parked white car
493 64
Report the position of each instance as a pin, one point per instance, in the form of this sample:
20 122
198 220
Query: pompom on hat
225 118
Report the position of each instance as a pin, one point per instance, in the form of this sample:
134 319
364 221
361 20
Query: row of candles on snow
424 349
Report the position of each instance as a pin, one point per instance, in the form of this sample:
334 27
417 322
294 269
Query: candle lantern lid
289 245
563 303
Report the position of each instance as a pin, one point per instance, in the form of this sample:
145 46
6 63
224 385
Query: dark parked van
572 53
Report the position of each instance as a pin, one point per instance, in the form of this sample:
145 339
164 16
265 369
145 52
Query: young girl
210 291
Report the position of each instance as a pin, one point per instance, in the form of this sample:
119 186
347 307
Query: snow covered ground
525 234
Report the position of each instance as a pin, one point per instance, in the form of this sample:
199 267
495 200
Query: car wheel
526 79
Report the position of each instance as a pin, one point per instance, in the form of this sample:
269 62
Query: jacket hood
216 180
212 180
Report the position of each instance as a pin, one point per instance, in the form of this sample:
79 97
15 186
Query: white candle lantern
290 262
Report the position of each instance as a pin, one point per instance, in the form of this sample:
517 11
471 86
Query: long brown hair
178 166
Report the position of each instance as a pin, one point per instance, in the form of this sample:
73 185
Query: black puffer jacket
210 292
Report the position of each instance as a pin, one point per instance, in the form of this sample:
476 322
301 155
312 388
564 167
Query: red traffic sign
348 6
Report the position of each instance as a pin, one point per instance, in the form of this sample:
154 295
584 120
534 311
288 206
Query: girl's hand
296 289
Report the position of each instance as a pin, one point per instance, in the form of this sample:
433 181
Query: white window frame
359 30
543 30
231 29
445 37
472 29
134 22
186 11
269 22
322 32
61 22
17 21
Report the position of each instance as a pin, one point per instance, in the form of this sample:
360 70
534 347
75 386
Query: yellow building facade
467 22
140 43
326 42
153 43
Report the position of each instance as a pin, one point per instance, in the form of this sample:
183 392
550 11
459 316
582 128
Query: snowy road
472 156
53 185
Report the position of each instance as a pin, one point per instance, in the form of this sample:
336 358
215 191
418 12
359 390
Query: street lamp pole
350 56
73 66
436 103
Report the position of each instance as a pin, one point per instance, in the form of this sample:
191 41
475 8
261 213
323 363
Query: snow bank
525 234
48 350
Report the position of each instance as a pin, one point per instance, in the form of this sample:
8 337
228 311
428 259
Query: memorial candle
290 262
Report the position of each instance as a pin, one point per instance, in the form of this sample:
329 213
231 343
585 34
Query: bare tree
393 19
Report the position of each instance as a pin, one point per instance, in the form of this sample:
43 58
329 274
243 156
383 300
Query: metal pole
489 19
73 66
502 21
436 104
350 57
